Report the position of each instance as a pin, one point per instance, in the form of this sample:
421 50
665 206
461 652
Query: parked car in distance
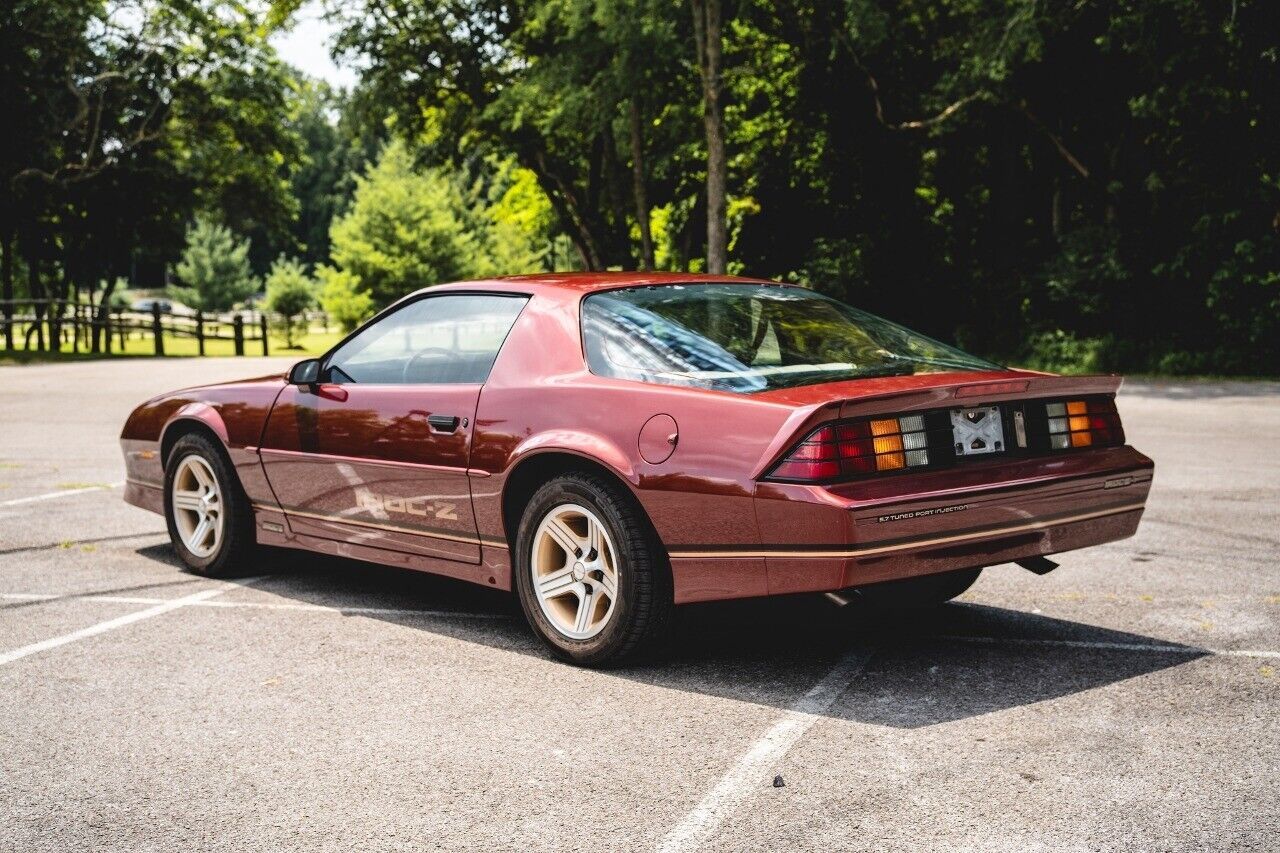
609 446
167 306
148 305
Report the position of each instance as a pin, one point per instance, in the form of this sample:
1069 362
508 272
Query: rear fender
591 446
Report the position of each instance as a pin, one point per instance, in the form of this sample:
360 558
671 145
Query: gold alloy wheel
197 506
574 570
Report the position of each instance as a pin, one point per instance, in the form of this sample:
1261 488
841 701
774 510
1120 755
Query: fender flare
590 446
198 412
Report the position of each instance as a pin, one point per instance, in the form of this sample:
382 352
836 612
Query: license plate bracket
977 431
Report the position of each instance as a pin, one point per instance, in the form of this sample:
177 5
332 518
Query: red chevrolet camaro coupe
609 446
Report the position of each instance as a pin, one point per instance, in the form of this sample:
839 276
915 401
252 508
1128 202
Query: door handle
443 423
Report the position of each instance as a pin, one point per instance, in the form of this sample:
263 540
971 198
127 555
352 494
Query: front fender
196 411
235 443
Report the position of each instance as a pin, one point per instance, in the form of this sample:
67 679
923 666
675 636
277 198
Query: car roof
568 283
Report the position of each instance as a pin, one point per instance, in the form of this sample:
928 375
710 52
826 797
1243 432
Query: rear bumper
825 539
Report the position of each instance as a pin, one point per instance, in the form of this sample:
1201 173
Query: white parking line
1157 648
260 605
62 494
750 770
1102 645
120 621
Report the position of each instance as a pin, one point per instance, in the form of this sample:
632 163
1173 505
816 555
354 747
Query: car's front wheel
209 518
591 577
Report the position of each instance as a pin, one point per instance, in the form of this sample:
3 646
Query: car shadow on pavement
925 667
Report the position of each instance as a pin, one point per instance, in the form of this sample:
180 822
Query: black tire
644 607
923 591
234 553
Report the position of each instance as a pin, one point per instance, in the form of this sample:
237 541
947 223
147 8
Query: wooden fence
54 325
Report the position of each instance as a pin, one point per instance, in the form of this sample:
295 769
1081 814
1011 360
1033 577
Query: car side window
447 339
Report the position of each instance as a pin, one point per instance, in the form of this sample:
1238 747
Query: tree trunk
569 210
615 212
101 328
707 33
36 290
6 276
638 188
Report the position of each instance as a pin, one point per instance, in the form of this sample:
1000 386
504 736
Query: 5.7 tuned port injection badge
923 513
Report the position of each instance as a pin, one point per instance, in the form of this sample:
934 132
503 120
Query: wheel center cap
579 571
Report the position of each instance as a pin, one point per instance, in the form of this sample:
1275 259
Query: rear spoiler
967 394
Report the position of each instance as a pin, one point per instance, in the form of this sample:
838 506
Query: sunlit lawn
315 342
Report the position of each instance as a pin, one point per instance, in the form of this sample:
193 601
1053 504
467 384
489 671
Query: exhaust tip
1038 565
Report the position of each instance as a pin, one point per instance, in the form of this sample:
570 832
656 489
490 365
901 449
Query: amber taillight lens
857 447
1092 422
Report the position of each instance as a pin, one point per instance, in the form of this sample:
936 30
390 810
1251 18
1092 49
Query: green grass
315 342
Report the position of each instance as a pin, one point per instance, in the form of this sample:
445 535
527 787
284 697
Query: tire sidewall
603 645
216 563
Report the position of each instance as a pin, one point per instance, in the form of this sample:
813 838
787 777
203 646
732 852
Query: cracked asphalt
1127 701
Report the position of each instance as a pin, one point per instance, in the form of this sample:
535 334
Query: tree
549 84
135 114
290 294
342 299
404 230
707 22
214 269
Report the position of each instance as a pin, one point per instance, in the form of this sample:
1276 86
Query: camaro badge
922 513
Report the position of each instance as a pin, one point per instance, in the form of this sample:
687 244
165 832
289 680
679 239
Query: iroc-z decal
922 513
421 507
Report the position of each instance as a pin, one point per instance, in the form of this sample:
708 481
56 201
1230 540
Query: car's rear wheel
209 518
591 577
923 591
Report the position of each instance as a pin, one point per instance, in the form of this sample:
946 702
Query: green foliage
516 222
337 144
1060 352
403 231
411 227
1081 186
214 269
130 118
341 298
290 294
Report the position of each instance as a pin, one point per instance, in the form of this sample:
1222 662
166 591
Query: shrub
290 293
342 298
214 269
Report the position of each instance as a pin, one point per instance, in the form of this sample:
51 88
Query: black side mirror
305 372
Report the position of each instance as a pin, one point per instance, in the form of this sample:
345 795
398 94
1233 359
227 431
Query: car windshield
747 337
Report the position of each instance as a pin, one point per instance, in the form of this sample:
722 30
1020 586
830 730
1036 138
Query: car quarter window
447 339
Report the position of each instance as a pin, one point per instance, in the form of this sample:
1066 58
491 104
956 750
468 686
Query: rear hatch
950 461
872 430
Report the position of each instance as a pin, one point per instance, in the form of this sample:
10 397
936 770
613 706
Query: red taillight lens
857 447
1084 423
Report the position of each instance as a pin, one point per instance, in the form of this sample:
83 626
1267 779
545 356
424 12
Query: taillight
927 440
857 447
1093 422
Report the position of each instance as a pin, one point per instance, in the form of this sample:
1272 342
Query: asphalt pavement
1127 701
